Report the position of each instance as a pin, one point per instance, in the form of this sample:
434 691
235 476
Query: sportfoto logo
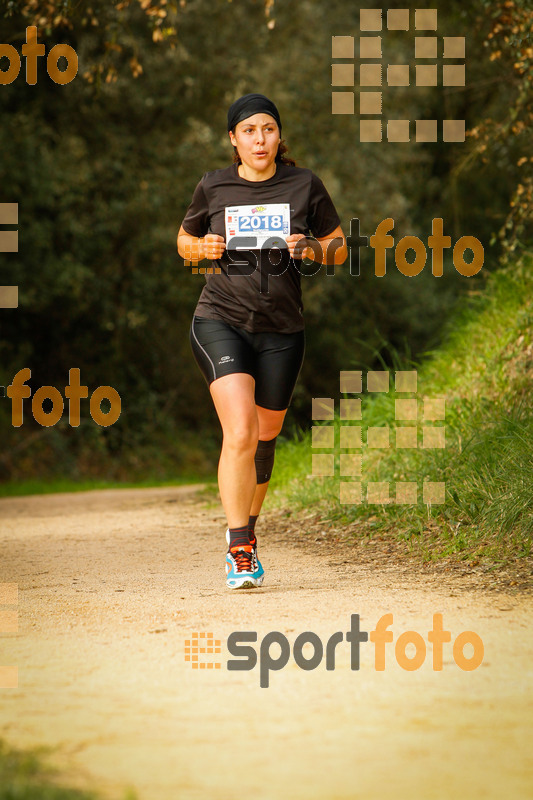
380 242
247 658
427 48
74 391
9 243
31 50
437 242
421 424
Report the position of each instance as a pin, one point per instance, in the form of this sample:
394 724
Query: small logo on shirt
226 360
258 208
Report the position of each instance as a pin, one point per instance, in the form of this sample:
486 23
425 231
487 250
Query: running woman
247 334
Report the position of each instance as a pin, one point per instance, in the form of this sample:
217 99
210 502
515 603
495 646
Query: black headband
250 104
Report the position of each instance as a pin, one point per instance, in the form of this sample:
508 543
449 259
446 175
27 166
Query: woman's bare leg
233 396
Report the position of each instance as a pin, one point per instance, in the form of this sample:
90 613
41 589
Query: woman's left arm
329 249
334 248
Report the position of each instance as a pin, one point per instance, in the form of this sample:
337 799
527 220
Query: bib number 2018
261 222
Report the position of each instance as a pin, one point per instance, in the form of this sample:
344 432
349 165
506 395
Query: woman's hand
298 245
213 245
195 249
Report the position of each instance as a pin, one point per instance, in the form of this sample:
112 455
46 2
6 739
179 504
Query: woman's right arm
196 248
190 247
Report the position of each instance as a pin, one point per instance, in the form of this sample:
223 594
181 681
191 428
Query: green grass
484 370
24 775
34 486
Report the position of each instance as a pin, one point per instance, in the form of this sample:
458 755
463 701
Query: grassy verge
34 486
484 373
24 775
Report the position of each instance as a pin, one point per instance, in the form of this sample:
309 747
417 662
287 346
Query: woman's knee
271 432
270 422
241 438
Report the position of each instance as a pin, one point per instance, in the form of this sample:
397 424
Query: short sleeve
322 217
196 220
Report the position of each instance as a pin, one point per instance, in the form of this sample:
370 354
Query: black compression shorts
273 359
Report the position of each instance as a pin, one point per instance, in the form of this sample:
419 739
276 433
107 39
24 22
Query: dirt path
113 583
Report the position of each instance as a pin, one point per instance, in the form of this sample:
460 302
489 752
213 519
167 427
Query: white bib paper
255 225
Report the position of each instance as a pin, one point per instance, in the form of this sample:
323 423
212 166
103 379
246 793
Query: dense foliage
103 169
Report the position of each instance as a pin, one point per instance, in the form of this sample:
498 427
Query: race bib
255 225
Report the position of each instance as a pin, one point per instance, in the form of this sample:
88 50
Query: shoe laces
244 559
254 554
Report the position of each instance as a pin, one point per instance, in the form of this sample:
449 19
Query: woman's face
256 139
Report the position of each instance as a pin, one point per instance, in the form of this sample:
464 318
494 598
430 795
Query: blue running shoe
259 572
243 568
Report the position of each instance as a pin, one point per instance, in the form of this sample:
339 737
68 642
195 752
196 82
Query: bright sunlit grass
24 775
484 371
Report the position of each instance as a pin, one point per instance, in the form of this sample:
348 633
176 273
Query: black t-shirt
258 289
